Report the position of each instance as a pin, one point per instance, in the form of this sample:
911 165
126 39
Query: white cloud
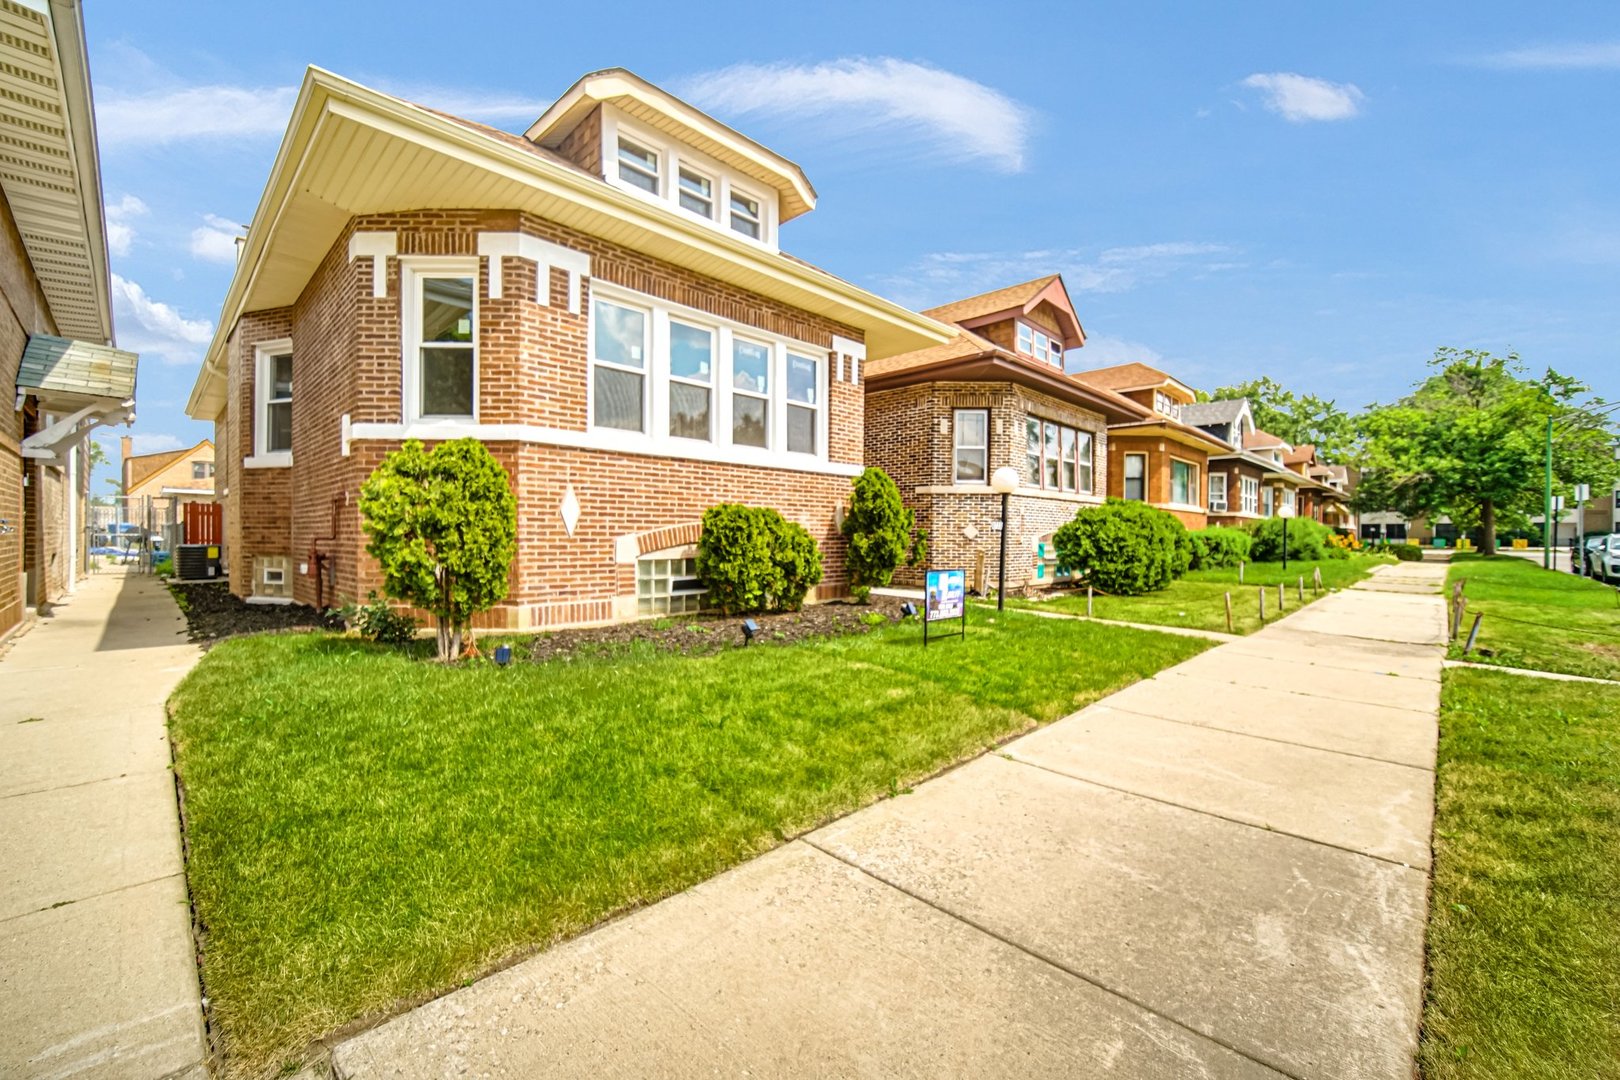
153 328
943 276
1300 98
1103 351
215 241
1574 56
490 106
954 116
120 233
194 112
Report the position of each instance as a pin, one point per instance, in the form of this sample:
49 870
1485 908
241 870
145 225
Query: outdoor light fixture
1004 481
907 610
749 629
503 655
1285 512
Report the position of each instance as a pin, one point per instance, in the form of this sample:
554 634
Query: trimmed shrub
1218 546
1123 547
750 558
881 532
1307 540
1406 552
376 621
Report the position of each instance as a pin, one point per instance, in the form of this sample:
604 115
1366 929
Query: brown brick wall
1159 451
532 370
584 144
909 435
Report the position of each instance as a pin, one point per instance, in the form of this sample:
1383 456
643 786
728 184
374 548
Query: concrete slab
1319 681
52 752
1301 956
91 989
1355 803
1398 585
792 965
1385 617
1342 724
1314 652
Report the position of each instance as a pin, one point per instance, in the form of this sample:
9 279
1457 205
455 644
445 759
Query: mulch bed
213 613
699 634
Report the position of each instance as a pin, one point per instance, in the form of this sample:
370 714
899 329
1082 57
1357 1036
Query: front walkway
1221 871
98 975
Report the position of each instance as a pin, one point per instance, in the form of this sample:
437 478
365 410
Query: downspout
320 560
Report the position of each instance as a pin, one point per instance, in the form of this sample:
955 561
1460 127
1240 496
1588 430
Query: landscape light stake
1229 613
1282 597
1456 622
1473 634
1285 518
1302 588
1262 605
1316 580
1241 565
1088 601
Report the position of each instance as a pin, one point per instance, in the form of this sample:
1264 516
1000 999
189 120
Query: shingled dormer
618 126
1036 319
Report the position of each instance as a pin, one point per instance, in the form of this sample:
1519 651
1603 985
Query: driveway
1221 872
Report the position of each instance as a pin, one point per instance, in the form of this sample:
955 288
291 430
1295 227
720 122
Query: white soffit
48 167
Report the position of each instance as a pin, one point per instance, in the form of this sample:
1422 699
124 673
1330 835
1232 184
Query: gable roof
669 115
1303 454
1256 439
139 468
1014 300
350 150
1208 413
1123 377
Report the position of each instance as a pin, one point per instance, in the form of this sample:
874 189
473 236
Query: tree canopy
1470 442
1298 418
443 527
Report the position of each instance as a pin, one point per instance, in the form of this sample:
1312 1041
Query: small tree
443 527
881 533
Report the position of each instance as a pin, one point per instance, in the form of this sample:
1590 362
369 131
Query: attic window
696 192
1036 343
745 216
1166 405
638 166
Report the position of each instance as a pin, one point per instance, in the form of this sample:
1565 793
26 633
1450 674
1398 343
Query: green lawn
1540 619
365 828
1197 599
1524 927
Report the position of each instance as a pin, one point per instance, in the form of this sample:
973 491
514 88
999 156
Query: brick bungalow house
185 475
942 419
56 364
1158 457
602 300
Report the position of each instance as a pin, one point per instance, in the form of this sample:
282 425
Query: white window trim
1125 476
656 398
413 270
1246 486
262 352
650 414
1209 480
671 156
686 380
957 447
702 174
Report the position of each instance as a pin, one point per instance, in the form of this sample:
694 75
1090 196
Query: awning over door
85 385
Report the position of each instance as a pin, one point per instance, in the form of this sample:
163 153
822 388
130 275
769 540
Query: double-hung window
750 392
1083 456
638 166
1250 495
619 365
276 401
746 217
202 470
691 378
1067 436
803 384
1057 457
972 439
1032 434
1217 492
1183 482
446 349
1026 339
1136 477
1288 499
696 192
1268 499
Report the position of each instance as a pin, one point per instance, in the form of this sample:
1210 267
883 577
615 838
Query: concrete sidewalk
98 973
1219 872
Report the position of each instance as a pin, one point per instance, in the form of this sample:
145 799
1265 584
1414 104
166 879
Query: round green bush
1123 547
750 558
1406 552
1307 540
1218 546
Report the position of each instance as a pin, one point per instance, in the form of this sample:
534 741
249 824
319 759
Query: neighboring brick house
1157 458
941 420
602 301
1322 499
56 366
170 477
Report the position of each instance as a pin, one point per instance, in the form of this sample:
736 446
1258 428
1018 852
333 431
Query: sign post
946 600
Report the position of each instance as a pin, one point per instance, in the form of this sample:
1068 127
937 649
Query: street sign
1583 493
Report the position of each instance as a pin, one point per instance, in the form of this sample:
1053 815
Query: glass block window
668 587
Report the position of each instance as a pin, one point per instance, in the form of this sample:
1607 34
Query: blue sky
1320 194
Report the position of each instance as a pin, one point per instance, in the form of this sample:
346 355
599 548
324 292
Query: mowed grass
365 828
1524 927
1539 619
1197 600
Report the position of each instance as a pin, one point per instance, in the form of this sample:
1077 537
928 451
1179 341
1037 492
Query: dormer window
697 192
1166 405
1036 343
638 166
745 217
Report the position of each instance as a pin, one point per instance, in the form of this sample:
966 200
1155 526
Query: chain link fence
131 532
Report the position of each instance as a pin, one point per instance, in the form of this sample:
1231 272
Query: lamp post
1285 512
1004 481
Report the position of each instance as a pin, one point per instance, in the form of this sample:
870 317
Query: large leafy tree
1299 418
1470 442
443 527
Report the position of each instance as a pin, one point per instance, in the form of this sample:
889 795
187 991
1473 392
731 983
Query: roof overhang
350 150
664 112
991 367
1164 428
49 167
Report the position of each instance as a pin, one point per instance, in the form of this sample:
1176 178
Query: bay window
972 442
750 393
1136 477
619 365
803 381
691 374
1057 457
1183 482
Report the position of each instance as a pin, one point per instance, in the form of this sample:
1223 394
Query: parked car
1602 557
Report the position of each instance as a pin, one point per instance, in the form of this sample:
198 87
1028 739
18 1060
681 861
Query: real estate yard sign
946 599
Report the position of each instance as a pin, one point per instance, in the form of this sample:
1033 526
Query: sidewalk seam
1252 735
91 896
1049 961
